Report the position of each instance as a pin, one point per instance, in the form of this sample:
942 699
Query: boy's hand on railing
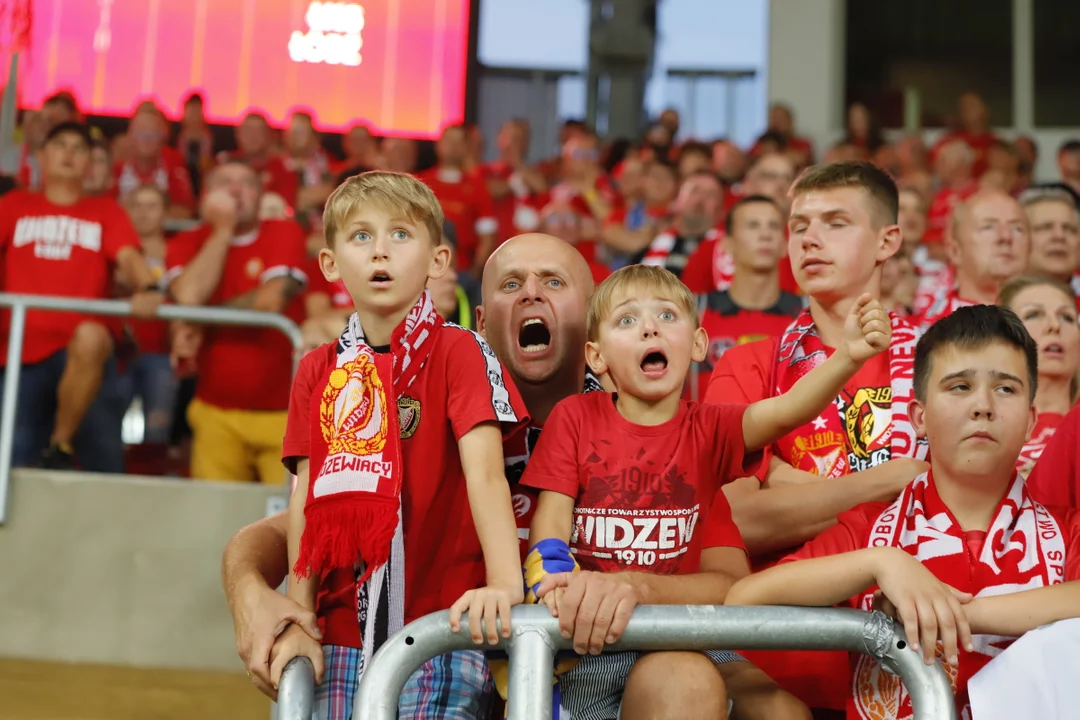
553 599
294 642
928 608
484 606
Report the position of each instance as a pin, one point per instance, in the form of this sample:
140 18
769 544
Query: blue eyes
364 236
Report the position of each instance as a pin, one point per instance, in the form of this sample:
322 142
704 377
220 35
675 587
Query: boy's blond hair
630 280
396 193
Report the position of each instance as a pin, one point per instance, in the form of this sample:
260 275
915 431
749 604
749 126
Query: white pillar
1023 81
806 65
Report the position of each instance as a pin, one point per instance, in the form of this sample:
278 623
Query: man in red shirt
239 411
152 162
465 200
1055 479
710 267
753 307
56 109
782 123
974 130
988 245
515 187
306 159
255 146
698 209
59 242
842 228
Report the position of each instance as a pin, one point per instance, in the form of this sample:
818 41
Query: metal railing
19 304
536 638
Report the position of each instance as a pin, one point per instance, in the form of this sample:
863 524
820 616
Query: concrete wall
120 570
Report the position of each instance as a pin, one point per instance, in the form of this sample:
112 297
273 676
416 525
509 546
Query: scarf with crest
1024 549
854 433
353 508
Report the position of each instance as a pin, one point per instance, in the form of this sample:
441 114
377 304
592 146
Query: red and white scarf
946 304
353 508
1024 549
663 245
723 266
876 428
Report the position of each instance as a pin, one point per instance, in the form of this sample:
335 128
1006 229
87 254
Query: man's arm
271 296
196 284
789 514
1014 614
618 238
721 568
866 333
254 563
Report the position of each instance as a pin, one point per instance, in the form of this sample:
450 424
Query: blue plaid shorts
450 687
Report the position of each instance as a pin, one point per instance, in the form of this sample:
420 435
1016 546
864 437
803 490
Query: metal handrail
19 304
536 638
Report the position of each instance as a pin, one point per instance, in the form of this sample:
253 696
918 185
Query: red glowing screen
398 65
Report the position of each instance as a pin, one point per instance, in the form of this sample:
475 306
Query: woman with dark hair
862 130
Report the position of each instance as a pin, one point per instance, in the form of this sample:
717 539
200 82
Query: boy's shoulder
317 361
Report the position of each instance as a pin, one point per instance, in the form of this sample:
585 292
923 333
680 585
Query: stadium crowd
772 248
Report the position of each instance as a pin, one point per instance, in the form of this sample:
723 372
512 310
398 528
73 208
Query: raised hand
867 330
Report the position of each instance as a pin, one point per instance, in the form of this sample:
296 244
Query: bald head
535 250
535 291
988 244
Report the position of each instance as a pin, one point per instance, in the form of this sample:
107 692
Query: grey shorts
593 689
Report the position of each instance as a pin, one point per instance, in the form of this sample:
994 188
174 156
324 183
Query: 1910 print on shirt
642 494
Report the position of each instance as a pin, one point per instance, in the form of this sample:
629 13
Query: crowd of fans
712 213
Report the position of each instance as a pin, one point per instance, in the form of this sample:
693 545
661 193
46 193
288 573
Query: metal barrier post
11 400
296 694
529 687
659 627
19 305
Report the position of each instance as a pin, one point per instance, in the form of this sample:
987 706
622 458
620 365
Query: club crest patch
408 416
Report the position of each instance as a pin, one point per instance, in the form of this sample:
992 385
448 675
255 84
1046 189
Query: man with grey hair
1055 233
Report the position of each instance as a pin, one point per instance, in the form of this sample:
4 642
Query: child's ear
701 345
1033 417
328 265
440 262
918 417
594 358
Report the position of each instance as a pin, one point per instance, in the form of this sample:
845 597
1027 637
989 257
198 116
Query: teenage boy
370 423
625 479
843 227
965 558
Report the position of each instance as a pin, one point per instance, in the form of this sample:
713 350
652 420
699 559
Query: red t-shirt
467 204
245 368
729 325
744 374
67 250
941 209
852 532
455 392
170 175
646 496
1055 478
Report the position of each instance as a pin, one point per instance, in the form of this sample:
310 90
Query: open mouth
380 276
534 336
1054 349
654 362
